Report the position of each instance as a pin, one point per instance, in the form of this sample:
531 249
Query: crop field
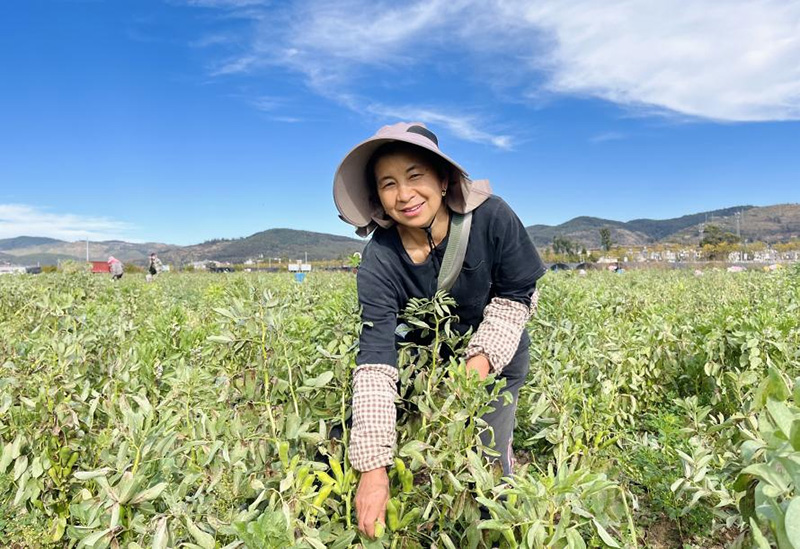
661 410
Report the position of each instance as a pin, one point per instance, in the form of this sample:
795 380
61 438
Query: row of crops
661 411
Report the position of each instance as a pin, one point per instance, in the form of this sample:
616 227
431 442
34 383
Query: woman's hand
480 364
371 499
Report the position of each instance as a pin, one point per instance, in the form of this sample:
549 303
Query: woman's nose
404 192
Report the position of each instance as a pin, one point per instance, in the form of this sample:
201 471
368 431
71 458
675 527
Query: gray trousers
501 420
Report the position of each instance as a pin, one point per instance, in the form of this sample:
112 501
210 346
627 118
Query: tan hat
351 187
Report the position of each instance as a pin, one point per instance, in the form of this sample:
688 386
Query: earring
444 192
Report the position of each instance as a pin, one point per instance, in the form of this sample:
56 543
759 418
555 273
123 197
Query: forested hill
767 224
282 243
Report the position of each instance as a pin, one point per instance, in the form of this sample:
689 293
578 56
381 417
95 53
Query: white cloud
23 220
232 4
728 61
464 127
607 136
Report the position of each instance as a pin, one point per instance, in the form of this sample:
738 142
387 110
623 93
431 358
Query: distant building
8 268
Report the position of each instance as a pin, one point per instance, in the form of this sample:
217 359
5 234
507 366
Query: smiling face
409 188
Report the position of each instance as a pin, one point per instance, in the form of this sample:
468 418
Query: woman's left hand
480 364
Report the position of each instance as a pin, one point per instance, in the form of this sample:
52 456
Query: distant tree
605 239
714 235
563 245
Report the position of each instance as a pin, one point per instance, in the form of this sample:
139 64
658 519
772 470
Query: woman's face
409 189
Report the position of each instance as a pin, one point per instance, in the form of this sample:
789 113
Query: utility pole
738 232
306 261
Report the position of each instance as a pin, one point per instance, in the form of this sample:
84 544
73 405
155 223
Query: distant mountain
286 244
586 231
50 251
283 243
26 242
767 224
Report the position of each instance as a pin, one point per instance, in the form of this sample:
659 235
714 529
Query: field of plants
661 411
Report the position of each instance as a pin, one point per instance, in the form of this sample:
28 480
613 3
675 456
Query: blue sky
183 120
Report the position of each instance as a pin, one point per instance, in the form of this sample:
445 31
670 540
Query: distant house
7 268
100 267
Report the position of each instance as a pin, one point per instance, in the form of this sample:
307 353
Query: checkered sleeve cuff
373 435
498 334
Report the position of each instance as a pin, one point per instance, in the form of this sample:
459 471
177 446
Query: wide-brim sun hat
351 191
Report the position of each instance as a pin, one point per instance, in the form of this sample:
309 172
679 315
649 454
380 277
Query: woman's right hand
371 499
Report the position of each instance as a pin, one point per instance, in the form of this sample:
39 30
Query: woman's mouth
412 211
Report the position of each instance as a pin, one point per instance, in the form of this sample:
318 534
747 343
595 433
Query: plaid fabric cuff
498 334
373 435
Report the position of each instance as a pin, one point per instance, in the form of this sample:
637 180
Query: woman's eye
416 175
388 184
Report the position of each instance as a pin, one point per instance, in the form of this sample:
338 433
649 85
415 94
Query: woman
154 268
401 186
115 267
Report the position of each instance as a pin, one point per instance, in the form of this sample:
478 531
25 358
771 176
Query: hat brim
350 186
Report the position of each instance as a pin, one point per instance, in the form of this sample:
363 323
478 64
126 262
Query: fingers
369 510
368 520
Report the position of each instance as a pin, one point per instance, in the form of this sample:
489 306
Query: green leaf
151 493
794 435
20 466
574 539
220 339
792 522
604 535
446 541
93 539
782 416
203 539
773 386
764 472
161 537
88 475
321 380
758 537
225 313
493 524
343 540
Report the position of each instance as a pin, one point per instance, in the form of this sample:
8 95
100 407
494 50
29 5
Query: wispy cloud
732 61
24 220
231 4
468 128
607 136
273 107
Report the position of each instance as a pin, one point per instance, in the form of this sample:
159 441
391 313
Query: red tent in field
100 267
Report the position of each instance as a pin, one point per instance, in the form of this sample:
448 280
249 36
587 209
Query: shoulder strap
456 250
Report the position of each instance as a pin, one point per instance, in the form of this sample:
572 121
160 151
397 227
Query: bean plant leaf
758 537
792 522
782 416
604 535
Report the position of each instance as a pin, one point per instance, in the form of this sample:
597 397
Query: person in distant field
399 186
116 267
155 267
